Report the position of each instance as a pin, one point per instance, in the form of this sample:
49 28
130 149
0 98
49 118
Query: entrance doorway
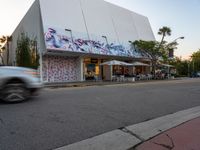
91 69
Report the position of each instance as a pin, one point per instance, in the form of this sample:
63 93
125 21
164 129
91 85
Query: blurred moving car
18 83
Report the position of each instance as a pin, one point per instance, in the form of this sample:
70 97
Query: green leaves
149 47
195 60
156 50
4 40
164 31
26 52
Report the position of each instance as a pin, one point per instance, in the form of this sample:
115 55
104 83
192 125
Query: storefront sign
95 61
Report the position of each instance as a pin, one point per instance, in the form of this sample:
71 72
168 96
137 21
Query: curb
100 83
129 137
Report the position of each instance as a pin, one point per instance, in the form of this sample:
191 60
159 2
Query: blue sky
182 16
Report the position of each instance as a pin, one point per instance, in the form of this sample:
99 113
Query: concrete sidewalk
173 135
182 137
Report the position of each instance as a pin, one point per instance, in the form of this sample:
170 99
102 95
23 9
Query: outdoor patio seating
121 78
114 78
149 76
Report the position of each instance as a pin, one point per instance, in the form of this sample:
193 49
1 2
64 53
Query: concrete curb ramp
128 137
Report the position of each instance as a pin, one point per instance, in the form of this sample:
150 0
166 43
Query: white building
75 36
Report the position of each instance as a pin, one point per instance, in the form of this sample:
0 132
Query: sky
182 16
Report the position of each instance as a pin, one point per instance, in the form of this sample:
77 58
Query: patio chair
114 78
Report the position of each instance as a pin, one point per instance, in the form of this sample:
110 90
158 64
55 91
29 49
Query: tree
182 66
164 31
5 40
154 49
151 49
34 54
26 52
195 60
2 49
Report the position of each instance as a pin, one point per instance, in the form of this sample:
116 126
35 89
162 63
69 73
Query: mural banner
66 40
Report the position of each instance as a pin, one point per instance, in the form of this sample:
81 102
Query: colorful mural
60 69
57 40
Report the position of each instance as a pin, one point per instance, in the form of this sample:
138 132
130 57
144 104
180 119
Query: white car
18 83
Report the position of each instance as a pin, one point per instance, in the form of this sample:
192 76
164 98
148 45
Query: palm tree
164 31
2 39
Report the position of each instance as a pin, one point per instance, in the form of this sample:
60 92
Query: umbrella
166 65
116 62
139 64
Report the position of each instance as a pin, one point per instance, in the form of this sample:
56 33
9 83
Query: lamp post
70 31
174 42
182 37
106 39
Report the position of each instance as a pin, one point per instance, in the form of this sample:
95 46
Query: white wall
143 27
64 14
96 18
123 23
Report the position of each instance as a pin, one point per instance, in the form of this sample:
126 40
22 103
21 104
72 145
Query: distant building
75 36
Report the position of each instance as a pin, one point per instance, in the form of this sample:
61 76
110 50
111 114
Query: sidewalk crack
124 129
169 147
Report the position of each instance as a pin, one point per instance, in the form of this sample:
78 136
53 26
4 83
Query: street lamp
182 37
70 31
105 37
171 51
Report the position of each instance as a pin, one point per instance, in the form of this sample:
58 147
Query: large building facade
75 36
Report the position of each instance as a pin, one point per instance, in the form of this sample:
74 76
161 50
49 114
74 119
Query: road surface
63 116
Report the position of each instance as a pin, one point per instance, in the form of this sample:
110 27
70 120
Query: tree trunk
7 52
162 40
154 67
2 60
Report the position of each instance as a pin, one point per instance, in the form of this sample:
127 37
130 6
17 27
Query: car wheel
15 92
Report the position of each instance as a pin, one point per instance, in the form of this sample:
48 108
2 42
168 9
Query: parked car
195 74
198 74
18 83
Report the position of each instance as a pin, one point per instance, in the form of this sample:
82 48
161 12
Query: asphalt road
63 116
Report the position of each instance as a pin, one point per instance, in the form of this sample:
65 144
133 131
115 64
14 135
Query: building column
81 69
